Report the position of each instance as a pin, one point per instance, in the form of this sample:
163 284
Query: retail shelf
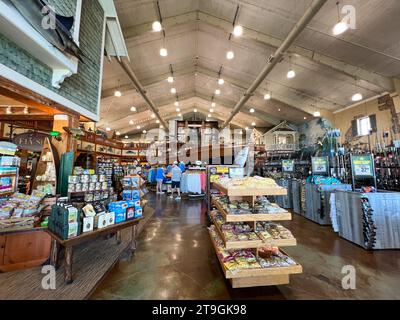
286 216
249 192
13 174
260 273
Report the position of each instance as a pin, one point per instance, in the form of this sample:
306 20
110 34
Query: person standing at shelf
176 180
160 176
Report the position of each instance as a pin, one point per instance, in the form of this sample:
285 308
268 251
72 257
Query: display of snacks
21 206
269 230
247 183
85 182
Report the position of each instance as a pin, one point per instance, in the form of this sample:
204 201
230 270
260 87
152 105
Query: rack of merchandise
46 171
247 241
9 169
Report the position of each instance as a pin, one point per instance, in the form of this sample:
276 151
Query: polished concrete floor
175 260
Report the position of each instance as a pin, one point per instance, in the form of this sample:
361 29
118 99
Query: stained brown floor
175 260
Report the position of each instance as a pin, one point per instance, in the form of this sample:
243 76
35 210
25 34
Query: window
364 126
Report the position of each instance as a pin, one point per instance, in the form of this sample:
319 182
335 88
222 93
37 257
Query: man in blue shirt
182 166
176 180
160 175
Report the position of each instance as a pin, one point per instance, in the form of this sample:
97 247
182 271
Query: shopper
160 175
176 180
182 166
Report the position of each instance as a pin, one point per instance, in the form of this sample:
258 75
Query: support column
68 142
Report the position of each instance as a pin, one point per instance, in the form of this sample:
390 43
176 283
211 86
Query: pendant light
163 52
230 55
170 79
173 90
178 110
237 30
156 26
291 73
195 110
131 122
221 81
341 26
213 104
211 110
133 109
157 121
138 127
252 110
267 96
357 96
144 131
218 92
153 116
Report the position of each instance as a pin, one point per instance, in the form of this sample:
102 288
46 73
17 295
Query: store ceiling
197 34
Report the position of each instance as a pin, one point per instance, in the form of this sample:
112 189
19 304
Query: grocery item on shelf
271 230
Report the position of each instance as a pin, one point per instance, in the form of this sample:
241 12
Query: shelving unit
42 166
255 277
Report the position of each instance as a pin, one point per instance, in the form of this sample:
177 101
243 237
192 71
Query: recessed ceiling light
161 127
144 131
157 121
126 137
138 127
317 114
211 110
217 92
252 110
170 79
230 55
305 118
357 97
221 81
176 104
163 52
209 115
195 110
267 96
238 30
179 114
153 116
118 93
131 122
253 124
173 90
156 26
291 74
279 109
213 104
178 110
133 109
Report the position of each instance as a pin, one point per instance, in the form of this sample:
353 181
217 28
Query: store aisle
175 260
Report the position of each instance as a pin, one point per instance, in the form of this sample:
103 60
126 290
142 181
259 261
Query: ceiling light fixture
138 127
237 30
211 110
267 96
108 129
213 104
179 114
118 133
131 122
357 97
173 90
178 109
133 109
341 26
156 26
161 127
221 81
26 110
230 55
163 52
247 128
253 124
126 137
209 115
144 131
317 114
8 110
252 110
176 103
195 110
291 74
217 92
157 121
153 116
118 94
170 79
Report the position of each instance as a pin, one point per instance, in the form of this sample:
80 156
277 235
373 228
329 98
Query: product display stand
254 277
41 176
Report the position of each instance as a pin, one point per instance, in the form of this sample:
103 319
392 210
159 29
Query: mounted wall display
31 141
320 165
288 166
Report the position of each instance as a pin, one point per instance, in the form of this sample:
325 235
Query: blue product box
119 208
127 195
135 182
135 194
138 212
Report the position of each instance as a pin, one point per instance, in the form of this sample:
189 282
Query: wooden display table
70 243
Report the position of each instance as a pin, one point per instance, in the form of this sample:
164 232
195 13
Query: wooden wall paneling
2 246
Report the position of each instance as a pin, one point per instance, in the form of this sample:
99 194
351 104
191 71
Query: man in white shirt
176 180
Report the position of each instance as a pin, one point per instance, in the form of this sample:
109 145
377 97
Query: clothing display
193 183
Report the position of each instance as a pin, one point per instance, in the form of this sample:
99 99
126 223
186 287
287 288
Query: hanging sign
362 166
288 165
31 141
320 165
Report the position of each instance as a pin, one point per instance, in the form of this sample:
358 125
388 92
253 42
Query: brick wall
82 88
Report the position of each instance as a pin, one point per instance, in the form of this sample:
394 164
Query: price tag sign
288 165
222 170
362 166
320 165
